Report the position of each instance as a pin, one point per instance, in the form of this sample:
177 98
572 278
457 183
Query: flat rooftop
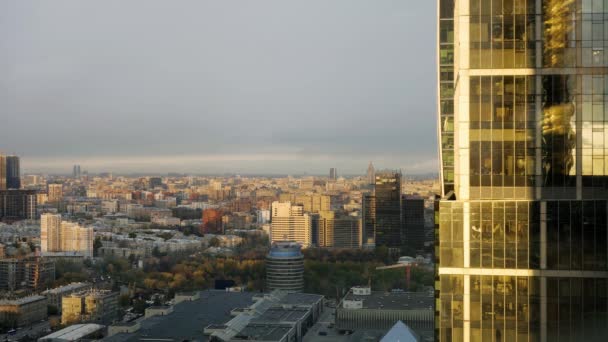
189 318
74 332
394 300
263 332
301 299
278 315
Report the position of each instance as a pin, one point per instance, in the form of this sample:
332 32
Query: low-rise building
23 311
275 317
362 308
76 332
55 295
99 306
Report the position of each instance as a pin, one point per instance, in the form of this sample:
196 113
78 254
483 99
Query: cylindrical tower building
285 267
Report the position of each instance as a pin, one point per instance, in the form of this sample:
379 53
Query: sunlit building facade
522 234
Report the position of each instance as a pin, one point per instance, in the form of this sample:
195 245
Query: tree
132 235
97 245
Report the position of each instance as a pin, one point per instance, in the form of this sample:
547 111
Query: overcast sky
205 86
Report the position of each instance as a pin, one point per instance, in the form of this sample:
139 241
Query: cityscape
175 192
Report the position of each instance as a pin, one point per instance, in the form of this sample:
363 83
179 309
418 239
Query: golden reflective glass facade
522 237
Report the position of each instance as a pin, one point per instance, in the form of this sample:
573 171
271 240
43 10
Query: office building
63 236
325 229
387 193
413 223
347 232
55 193
13 173
333 174
290 223
285 267
337 231
23 311
522 236
368 214
18 205
95 306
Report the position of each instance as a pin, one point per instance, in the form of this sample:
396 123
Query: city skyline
220 90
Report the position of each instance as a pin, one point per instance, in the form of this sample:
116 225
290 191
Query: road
36 330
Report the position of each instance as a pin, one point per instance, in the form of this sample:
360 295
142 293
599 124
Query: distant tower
13 174
371 174
76 171
2 172
285 267
333 173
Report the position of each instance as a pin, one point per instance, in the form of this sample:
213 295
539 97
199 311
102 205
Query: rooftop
395 300
74 332
21 301
278 314
189 318
68 287
263 332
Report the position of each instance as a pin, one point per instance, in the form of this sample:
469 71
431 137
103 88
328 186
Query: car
12 332
322 333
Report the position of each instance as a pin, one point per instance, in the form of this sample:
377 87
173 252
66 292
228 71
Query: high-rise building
371 174
290 223
387 194
76 172
18 205
413 223
338 231
285 267
333 173
369 220
3 185
522 235
63 236
55 193
13 172
75 238
50 231
325 229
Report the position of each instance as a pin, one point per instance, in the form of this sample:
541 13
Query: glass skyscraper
522 234
387 197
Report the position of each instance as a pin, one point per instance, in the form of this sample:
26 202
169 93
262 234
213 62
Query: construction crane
404 262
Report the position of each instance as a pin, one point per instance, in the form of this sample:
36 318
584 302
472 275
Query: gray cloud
318 82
